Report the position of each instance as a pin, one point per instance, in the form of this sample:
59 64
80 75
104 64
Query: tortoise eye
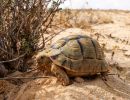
42 57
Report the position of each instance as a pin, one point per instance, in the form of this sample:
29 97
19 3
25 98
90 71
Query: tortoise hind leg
60 74
103 75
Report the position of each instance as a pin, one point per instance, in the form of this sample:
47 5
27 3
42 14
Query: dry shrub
104 20
81 18
22 23
63 18
82 24
72 18
99 17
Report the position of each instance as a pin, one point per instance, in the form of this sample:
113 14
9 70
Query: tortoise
73 56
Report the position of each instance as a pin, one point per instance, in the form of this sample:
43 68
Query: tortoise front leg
60 74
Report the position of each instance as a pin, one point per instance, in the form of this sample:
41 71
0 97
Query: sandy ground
115 41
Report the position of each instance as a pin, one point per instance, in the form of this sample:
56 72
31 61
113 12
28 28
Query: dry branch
22 23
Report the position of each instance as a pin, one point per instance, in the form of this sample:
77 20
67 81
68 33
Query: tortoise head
43 59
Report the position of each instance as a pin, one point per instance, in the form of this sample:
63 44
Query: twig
13 59
6 51
114 89
53 35
113 74
7 78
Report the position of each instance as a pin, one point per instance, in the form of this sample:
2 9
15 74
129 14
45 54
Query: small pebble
79 79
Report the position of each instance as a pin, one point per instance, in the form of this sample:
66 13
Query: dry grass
103 19
70 19
81 18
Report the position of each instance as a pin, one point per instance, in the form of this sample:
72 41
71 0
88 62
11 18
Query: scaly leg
60 74
103 75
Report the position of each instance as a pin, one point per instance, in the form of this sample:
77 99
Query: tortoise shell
78 53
